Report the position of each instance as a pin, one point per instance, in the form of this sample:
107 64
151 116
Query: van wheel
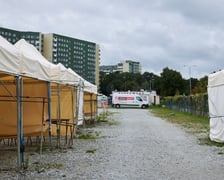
143 106
117 105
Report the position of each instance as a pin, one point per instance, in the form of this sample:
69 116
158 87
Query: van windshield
139 98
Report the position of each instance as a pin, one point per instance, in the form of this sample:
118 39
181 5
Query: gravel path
140 146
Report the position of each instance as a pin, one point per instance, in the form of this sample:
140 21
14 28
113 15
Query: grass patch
102 117
207 141
85 136
191 123
113 122
88 135
42 167
91 151
107 119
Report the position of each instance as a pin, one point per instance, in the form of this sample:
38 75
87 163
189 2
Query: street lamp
150 82
189 66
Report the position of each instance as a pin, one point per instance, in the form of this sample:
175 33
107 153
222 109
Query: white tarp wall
216 105
80 103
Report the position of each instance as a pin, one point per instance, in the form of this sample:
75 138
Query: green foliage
169 83
195 104
86 136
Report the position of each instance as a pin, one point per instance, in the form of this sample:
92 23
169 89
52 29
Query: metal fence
197 104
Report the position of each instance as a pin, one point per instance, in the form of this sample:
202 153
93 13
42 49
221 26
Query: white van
128 100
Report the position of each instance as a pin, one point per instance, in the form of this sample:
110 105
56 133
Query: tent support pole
91 106
49 114
77 103
76 109
73 115
20 139
59 119
42 130
96 108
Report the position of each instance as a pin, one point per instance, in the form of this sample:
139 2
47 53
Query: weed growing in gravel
107 119
102 117
41 167
44 148
91 151
89 135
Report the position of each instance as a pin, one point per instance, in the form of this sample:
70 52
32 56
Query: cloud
158 33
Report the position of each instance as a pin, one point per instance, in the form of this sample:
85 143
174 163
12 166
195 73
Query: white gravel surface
140 146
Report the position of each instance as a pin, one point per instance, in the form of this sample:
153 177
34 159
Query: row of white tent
25 60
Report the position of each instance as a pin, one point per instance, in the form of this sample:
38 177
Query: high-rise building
34 38
81 56
129 66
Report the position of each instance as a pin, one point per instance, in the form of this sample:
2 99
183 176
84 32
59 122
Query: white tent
32 63
216 105
62 75
89 87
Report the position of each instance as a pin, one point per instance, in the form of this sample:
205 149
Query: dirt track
140 146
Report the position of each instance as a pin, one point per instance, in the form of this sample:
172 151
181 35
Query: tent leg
20 139
49 114
91 106
59 119
73 118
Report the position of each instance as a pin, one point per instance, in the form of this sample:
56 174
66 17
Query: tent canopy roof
25 60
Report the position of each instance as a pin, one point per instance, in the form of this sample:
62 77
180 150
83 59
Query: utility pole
150 82
190 66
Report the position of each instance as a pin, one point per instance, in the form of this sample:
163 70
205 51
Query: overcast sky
180 34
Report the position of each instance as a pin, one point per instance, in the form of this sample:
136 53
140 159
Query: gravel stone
140 146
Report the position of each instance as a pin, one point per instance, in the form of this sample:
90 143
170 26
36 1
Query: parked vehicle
128 100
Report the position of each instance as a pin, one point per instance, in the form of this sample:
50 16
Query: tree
171 82
201 85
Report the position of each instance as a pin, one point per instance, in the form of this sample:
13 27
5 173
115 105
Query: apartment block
34 38
108 69
129 66
124 66
79 55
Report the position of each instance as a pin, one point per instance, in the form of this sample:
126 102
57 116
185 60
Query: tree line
168 83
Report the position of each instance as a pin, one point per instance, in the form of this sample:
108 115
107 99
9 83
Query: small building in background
124 66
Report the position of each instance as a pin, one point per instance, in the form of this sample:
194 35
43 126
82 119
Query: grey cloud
158 33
